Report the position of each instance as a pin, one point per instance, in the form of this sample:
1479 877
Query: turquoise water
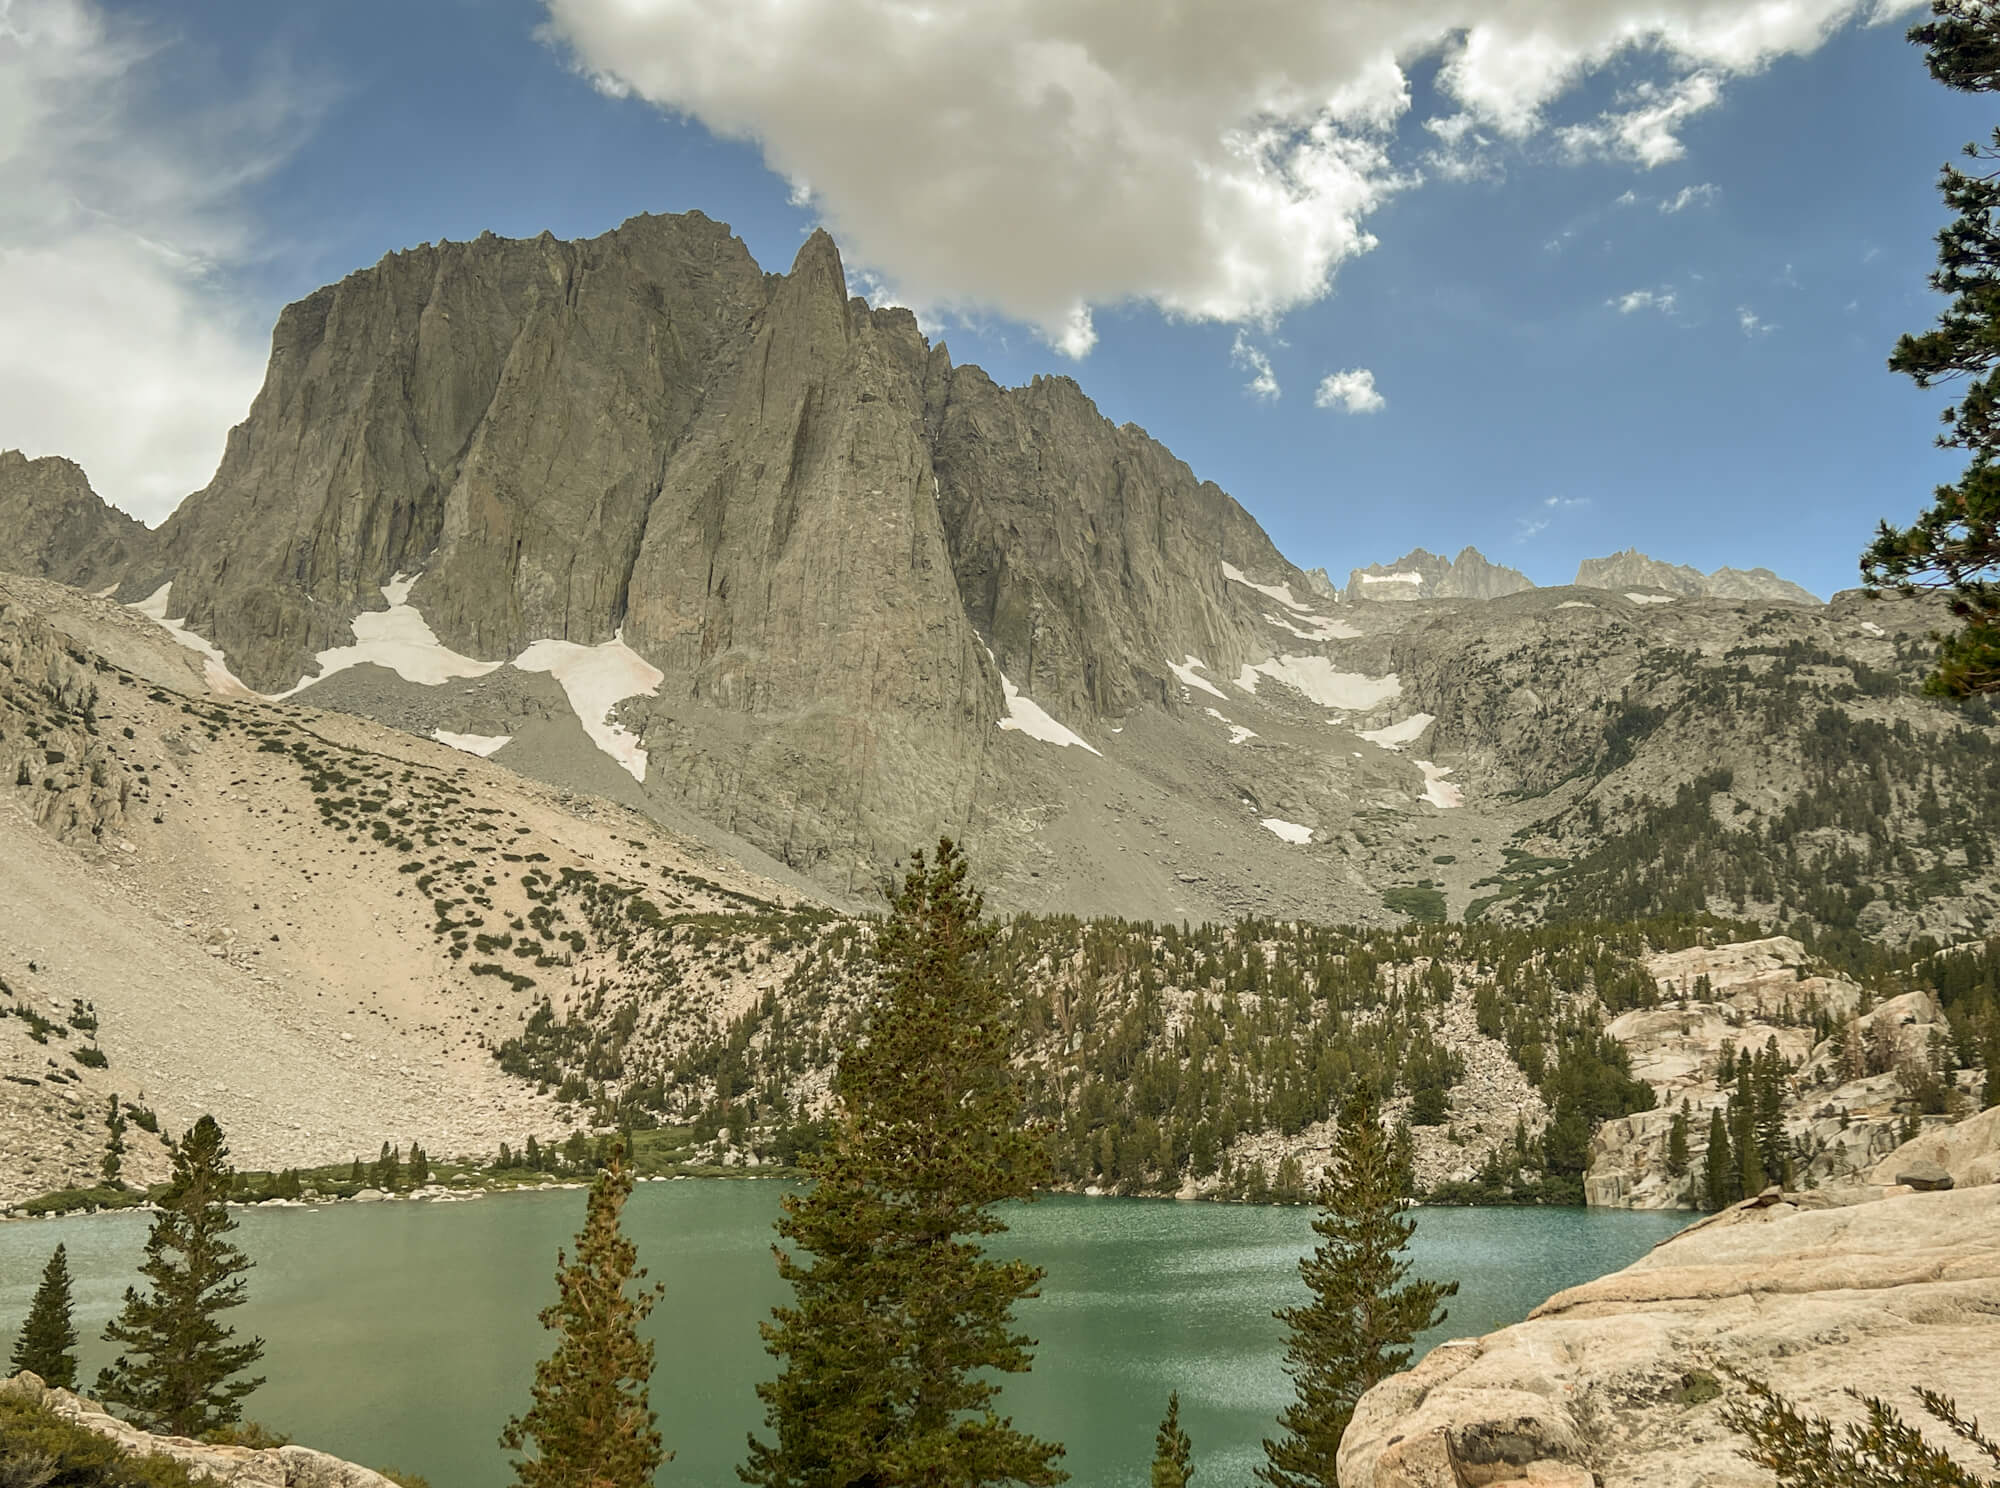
403 1335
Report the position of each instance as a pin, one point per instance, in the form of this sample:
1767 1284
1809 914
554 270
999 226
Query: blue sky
1576 346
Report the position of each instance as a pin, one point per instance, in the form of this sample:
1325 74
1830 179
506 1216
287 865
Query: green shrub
39 1446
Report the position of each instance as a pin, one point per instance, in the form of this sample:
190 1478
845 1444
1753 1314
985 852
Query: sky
1551 278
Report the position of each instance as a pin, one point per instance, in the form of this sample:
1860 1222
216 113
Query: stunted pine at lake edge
899 1321
591 1424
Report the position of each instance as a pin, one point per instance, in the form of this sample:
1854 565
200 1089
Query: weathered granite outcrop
1618 1383
239 1467
1845 1106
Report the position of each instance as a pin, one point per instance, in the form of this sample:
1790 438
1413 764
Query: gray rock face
1925 1177
53 526
1632 569
1423 575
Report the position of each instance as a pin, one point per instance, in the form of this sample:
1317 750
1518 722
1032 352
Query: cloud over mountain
1044 157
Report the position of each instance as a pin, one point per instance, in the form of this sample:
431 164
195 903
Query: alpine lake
404 1334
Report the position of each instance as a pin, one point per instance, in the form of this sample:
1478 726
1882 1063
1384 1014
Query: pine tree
114 1146
47 1345
1363 1316
899 1322
1990 1092
590 1425
1677 1143
420 1166
1173 1453
1954 546
176 1364
1719 1173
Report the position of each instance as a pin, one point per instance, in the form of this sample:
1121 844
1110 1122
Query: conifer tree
1677 1143
590 1425
114 1146
1363 1316
1954 546
1173 1453
1719 1174
47 1345
899 1322
176 1368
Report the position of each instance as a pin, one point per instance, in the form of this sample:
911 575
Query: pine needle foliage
1173 1452
1364 1315
1954 546
1884 1451
899 1322
47 1345
177 1366
590 1425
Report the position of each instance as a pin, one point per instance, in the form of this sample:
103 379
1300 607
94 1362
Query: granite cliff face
53 526
1632 569
1423 575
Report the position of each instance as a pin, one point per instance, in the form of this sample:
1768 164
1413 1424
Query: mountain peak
1422 574
1634 569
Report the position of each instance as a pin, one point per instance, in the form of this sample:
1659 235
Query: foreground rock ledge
239 1467
1613 1384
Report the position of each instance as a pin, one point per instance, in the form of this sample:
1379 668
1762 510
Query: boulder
1923 1177
1968 1154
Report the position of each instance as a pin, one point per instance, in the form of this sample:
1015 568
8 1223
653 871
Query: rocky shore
239 1467
1620 1383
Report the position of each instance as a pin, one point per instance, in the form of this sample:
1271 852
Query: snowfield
400 639
1436 791
1315 677
1290 831
482 745
1282 593
214 665
1027 717
1644 599
597 679
1186 672
1237 733
1396 735
1392 578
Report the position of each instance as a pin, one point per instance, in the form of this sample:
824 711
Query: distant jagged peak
1634 569
1421 574
54 526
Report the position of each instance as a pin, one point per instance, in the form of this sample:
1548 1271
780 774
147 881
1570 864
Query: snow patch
1186 672
1290 831
400 639
1651 598
1872 628
479 744
597 679
1282 593
1237 733
1392 578
1396 735
1576 604
1027 717
1322 629
214 665
1436 791
1315 677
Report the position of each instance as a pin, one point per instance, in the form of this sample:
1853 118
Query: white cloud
1047 156
1263 382
117 346
1690 196
1352 391
1752 324
1636 300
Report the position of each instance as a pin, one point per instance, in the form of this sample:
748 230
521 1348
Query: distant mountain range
1424 575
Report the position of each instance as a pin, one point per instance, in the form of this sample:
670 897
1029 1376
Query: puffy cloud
1352 391
1636 300
1040 157
1751 323
117 346
1263 381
